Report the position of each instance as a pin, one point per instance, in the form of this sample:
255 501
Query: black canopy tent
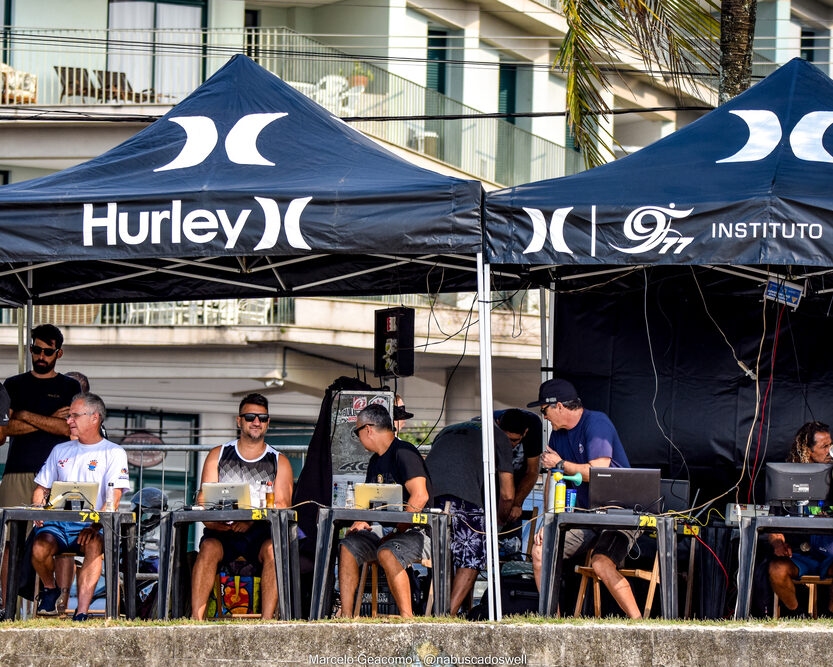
653 258
247 188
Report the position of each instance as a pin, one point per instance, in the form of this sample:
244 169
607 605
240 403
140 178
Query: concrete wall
420 644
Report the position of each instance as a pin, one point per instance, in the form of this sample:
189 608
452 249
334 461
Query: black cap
554 391
400 413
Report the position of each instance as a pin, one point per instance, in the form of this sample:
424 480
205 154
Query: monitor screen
797 482
675 494
630 488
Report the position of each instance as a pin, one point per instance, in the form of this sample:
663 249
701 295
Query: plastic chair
330 92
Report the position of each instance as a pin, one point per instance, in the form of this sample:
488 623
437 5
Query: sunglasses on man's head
251 416
358 430
47 351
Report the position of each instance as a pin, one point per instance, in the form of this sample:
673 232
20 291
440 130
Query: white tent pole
21 340
29 321
487 417
547 309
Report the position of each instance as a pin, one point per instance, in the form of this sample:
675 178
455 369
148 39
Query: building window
5 177
158 45
808 45
251 21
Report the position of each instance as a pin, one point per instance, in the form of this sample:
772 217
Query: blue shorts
66 532
812 566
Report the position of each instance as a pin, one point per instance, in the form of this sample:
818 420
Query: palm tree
678 38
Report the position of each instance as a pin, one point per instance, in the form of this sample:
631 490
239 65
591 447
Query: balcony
238 312
159 68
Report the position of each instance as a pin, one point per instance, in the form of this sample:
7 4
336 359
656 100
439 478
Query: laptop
382 496
675 494
220 494
625 488
73 495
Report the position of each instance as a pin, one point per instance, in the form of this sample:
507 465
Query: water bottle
270 496
110 498
262 496
350 499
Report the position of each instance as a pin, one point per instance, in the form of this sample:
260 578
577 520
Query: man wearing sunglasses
394 461
582 439
248 460
40 402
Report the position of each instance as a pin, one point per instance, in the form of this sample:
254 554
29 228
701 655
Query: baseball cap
400 413
554 391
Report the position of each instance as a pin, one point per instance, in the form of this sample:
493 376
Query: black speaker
393 348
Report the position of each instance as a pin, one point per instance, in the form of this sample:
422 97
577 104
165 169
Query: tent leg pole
487 417
21 340
27 359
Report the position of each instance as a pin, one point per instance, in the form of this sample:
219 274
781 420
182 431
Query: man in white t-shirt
87 458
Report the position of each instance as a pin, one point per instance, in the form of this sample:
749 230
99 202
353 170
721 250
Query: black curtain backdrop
704 401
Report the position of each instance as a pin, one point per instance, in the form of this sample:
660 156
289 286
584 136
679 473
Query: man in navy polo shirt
582 439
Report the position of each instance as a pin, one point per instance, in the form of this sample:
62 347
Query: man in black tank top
250 460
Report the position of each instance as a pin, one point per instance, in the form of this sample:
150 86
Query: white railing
141 67
228 312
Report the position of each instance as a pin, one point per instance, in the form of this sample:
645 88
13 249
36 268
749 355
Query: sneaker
47 601
80 617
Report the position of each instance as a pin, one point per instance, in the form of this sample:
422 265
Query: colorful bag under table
238 591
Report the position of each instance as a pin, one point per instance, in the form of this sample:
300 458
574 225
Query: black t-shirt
455 461
531 444
401 462
28 452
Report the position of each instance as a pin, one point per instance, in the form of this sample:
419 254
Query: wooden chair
587 573
373 567
812 583
61 605
76 82
116 86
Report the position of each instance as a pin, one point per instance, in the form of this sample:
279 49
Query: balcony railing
221 312
234 312
97 67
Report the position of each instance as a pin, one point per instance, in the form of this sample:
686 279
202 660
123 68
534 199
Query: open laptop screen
628 488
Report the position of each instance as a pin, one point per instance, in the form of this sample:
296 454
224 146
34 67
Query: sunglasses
544 409
358 430
251 416
46 351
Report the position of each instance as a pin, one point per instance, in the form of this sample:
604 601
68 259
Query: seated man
582 439
811 445
393 462
248 460
455 464
86 458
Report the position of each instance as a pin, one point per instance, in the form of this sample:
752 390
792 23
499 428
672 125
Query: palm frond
674 38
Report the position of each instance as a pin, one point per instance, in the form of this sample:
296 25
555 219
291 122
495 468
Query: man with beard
807 555
40 401
245 460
